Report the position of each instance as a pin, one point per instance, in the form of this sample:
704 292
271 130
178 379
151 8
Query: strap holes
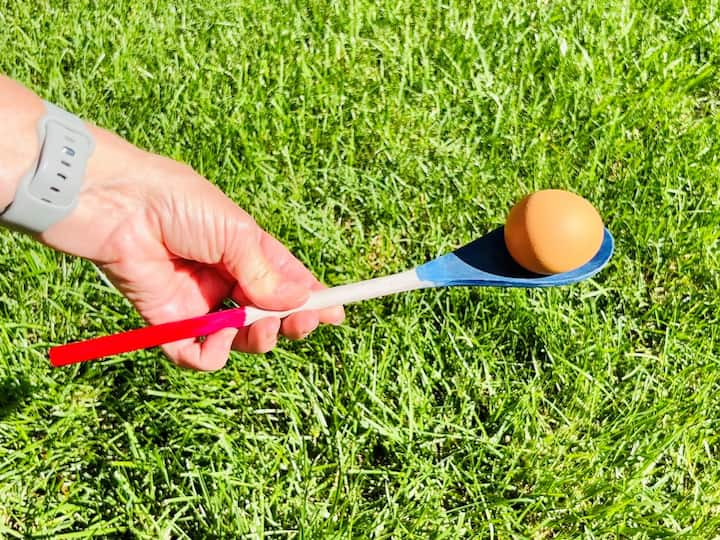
56 190
65 163
46 200
69 151
61 175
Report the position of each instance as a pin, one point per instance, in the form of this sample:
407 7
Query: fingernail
337 316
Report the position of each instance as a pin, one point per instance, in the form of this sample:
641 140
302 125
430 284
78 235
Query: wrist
115 186
110 186
22 112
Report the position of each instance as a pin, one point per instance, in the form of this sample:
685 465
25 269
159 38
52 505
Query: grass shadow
13 392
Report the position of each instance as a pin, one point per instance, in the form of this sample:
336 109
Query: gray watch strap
48 193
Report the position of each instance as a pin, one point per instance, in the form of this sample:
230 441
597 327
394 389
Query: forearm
20 111
115 172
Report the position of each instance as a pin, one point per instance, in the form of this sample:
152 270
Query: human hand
176 246
171 242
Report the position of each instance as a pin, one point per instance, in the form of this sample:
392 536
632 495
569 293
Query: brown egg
553 231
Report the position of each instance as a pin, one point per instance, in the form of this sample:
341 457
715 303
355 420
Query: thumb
258 262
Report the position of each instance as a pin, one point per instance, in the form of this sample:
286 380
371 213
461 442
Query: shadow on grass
13 392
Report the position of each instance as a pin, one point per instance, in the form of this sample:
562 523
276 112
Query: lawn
370 136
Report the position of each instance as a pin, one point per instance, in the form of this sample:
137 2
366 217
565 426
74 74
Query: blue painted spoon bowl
487 262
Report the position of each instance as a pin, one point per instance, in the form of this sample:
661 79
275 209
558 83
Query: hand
172 242
176 246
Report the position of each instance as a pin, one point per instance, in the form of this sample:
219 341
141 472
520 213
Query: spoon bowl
486 262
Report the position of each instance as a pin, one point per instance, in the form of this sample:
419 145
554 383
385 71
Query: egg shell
553 231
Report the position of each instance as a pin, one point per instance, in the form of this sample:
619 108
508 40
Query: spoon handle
149 336
152 336
348 294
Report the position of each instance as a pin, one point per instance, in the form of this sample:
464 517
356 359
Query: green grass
370 136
